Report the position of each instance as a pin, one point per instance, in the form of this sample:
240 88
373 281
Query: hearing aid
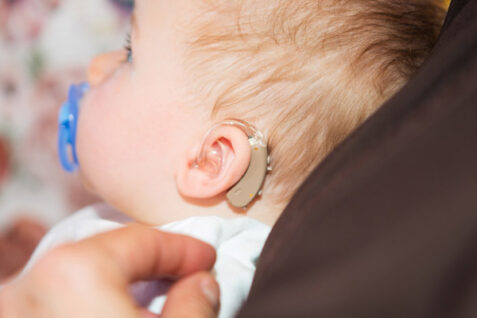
249 186
67 126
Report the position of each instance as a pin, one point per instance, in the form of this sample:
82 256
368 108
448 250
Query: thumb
195 296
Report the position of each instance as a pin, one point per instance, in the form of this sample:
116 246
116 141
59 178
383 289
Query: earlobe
215 164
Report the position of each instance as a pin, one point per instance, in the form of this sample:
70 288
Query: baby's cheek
84 125
89 140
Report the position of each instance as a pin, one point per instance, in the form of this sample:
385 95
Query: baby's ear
225 159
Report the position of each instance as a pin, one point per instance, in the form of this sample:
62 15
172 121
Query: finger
140 252
194 296
144 313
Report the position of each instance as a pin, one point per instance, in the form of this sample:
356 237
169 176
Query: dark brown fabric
386 226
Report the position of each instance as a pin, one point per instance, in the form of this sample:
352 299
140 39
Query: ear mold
250 184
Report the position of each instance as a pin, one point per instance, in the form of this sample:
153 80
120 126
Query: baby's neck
185 208
258 210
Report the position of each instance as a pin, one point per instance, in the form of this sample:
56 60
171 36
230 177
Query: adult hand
91 278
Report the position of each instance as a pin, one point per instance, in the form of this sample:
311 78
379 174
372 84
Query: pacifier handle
67 125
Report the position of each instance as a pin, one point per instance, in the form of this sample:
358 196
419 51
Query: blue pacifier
67 125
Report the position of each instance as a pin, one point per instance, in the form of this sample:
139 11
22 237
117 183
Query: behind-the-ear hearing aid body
249 186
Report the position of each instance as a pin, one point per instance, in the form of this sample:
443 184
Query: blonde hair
306 72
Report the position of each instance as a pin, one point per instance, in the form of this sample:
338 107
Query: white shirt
238 243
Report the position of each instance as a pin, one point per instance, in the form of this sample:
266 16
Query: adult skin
91 278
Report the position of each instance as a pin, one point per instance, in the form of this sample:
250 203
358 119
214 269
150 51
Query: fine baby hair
306 72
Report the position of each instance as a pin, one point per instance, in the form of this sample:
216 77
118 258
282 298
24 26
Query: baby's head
304 72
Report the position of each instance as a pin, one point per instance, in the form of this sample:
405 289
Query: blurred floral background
45 45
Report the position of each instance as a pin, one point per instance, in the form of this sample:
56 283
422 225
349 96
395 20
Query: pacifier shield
67 125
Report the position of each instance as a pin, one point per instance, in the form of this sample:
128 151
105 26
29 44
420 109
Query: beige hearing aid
249 186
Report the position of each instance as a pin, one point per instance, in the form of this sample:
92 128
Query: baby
180 130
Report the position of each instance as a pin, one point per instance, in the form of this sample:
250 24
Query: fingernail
211 290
